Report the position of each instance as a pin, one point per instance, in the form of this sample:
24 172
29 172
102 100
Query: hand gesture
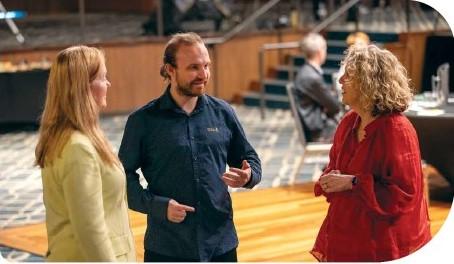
336 182
238 177
176 212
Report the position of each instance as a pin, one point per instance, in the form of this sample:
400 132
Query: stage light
13 15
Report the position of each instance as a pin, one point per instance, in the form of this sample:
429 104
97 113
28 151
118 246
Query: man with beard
182 142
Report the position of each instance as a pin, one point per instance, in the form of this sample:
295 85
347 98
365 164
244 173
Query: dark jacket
315 103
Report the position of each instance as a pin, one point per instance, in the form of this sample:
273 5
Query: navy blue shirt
183 157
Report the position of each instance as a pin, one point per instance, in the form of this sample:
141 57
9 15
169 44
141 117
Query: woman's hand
334 181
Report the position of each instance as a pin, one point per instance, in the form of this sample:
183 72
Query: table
22 96
436 137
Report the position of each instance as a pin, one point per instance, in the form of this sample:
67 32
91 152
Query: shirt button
195 158
197 180
192 137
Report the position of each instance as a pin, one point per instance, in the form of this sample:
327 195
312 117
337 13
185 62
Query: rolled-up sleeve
240 149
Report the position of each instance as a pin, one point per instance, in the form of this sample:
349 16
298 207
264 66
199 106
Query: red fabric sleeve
340 131
399 187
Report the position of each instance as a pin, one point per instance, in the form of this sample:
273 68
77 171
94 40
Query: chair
321 150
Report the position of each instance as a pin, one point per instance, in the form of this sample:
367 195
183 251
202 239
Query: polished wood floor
277 224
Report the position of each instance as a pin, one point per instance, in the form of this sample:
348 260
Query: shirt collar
371 127
316 67
166 101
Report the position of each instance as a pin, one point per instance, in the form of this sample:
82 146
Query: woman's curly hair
380 77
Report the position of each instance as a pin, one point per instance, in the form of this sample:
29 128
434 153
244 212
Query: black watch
354 180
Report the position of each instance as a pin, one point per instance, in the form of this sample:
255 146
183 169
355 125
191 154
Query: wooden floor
277 224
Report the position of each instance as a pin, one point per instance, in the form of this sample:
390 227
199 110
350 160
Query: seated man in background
317 103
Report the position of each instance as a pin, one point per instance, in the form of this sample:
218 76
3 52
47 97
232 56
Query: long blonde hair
70 105
382 80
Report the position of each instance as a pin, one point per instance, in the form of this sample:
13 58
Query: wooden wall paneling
289 37
410 50
134 74
210 88
238 63
134 67
416 44
29 55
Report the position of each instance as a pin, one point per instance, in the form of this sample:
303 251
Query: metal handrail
334 16
291 45
19 37
263 49
238 28
233 32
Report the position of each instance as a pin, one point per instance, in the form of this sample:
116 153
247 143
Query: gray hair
311 44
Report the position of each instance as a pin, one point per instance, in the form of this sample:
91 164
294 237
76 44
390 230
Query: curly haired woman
374 181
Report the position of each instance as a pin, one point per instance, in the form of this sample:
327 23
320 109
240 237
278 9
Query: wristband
354 180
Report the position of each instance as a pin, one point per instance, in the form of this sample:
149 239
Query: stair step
298 60
271 101
383 37
275 86
336 46
332 60
282 72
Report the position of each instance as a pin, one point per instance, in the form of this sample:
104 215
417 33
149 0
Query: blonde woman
83 180
374 181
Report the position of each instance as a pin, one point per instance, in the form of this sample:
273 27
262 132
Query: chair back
291 91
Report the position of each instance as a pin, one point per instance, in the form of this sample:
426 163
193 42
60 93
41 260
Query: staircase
275 91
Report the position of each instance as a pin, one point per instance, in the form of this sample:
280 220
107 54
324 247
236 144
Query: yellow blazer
86 207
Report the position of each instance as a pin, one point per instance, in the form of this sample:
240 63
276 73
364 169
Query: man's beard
186 89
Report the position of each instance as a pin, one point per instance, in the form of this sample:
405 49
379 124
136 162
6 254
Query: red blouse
384 216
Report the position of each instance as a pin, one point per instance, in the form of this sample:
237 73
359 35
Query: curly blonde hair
380 77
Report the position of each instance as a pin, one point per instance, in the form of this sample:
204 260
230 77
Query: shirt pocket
120 245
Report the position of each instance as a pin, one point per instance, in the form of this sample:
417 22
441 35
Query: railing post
82 20
261 80
215 70
437 17
407 14
356 10
19 37
159 18
262 51
291 72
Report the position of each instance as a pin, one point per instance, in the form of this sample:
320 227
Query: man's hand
176 212
236 178
336 182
